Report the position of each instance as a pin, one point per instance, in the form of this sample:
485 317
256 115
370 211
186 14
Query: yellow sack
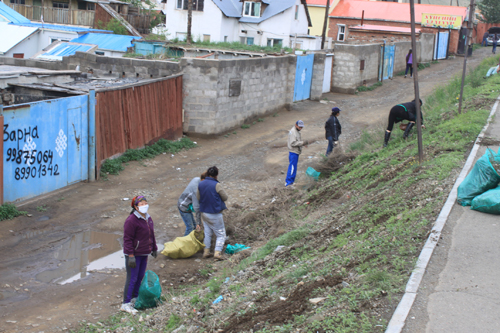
184 247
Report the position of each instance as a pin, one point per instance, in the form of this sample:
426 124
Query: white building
265 23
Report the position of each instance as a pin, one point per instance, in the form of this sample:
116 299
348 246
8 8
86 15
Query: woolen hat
336 109
300 123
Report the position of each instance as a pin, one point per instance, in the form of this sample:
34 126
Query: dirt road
45 282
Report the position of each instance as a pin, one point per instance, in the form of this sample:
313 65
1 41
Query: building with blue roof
58 50
264 23
107 44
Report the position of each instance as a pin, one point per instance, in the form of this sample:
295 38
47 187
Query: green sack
313 173
149 292
483 177
231 249
184 247
488 202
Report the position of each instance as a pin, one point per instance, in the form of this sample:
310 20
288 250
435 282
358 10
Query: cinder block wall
318 76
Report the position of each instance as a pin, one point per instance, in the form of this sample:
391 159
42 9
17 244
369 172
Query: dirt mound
280 312
335 162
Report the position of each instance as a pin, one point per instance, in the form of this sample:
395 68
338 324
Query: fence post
91 136
1 160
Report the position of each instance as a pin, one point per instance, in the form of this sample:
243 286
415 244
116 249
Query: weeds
245 126
9 211
370 88
114 166
42 208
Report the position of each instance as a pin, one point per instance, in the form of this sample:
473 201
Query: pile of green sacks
480 188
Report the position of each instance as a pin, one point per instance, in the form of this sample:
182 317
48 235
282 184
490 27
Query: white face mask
143 209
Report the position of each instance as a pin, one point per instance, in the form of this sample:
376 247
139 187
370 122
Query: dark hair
419 100
203 175
335 111
213 171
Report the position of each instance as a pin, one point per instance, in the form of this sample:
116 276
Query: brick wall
351 22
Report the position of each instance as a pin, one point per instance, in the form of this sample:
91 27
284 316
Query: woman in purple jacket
138 243
409 63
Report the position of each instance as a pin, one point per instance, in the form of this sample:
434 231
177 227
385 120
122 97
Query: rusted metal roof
383 28
390 11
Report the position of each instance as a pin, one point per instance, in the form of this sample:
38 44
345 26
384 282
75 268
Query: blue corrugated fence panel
45 146
303 77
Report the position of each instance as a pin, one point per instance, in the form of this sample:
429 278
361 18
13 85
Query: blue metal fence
46 145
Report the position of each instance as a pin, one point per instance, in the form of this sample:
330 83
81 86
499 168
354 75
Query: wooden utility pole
325 24
415 81
466 47
189 39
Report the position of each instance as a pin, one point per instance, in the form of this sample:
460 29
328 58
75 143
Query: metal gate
303 77
386 70
441 45
45 146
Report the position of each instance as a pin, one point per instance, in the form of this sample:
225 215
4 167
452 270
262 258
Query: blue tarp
109 42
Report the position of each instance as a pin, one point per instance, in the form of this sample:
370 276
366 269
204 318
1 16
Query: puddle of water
75 257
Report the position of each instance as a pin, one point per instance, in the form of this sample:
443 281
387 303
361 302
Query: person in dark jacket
333 130
485 39
400 112
409 63
138 243
212 196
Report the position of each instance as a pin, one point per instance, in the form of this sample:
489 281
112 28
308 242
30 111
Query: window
99 53
206 38
246 40
271 42
225 39
197 5
18 55
251 9
297 12
60 4
83 5
341 33
19 2
52 40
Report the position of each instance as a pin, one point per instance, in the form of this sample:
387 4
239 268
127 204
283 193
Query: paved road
460 291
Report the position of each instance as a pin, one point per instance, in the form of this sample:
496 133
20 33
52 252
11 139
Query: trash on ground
149 291
488 202
218 299
313 173
279 247
317 300
483 177
282 298
227 280
184 247
232 249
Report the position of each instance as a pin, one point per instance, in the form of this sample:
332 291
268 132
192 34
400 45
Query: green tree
113 25
490 9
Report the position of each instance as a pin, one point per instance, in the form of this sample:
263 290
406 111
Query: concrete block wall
265 87
318 76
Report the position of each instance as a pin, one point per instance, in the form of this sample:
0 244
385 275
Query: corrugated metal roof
59 27
12 35
10 15
275 7
230 8
63 49
108 42
391 11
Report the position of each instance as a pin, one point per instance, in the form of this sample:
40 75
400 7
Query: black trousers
397 114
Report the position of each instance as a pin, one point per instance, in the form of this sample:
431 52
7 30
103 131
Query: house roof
388 28
391 11
12 35
109 42
8 14
233 8
62 49
69 28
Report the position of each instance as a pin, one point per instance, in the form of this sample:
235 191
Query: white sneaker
127 307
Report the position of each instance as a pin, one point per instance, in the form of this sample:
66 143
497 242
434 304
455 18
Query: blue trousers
494 50
188 219
484 42
331 145
293 158
134 277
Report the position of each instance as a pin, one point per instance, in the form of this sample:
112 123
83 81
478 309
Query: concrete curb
399 316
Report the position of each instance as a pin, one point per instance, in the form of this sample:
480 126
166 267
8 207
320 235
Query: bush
9 211
113 25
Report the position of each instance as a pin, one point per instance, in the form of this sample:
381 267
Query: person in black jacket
332 130
400 112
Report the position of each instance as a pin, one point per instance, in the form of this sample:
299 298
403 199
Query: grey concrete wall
318 76
265 87
426 47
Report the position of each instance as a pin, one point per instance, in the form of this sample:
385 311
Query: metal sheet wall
136 116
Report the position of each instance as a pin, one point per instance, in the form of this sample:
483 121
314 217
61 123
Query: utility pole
467 41
415 81
190 17
325 24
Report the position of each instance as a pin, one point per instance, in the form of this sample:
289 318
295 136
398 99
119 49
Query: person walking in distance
295 145
400 112
332 130
188 204
409 63
138 243
495 40
212 197
485 39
